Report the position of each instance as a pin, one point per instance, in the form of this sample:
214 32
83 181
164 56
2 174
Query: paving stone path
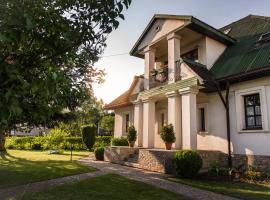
155 179
152 178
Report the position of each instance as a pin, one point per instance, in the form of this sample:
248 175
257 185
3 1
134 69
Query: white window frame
240 109
206 118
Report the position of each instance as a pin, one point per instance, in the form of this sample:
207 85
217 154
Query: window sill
203 133
253 131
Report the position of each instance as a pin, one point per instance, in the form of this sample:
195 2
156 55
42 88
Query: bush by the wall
105 140
99 153
88 135
187 163
119 141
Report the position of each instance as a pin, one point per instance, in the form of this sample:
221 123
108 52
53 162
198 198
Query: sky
121 69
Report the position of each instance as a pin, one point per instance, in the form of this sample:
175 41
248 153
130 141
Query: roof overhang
191 23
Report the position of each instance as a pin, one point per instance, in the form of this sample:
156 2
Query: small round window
157 28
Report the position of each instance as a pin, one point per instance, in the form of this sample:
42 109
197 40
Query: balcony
158 77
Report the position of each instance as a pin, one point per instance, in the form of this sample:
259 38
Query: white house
187 63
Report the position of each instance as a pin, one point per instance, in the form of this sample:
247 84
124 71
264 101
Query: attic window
157 28
264 39
227 31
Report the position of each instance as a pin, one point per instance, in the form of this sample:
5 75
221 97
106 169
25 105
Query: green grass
106 187
250 191
21 167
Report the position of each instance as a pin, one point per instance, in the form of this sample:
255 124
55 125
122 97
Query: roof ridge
243 18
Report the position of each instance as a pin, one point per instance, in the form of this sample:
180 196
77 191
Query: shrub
132 133
187 163
55 139
167 134
105 140
252 173
99 153
88 135
214 168
120 141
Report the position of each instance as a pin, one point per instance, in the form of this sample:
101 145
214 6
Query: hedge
49 142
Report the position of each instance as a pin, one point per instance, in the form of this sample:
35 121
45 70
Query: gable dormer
167 38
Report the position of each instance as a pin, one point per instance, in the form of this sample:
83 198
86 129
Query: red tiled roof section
124 99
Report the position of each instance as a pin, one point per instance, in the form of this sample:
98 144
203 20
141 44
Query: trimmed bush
167 134
120 141
88 135
132 133
187 163
99 153
43 143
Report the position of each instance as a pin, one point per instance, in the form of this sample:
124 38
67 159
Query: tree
47 52
107 123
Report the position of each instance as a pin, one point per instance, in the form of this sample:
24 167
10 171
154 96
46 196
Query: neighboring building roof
244 57
194 24
125 98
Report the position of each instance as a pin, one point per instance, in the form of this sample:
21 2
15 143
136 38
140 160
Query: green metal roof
243 56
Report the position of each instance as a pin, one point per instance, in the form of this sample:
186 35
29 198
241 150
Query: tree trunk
2 142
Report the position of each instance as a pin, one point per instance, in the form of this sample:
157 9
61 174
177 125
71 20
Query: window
263 40
253 116
162 119
191 55
202 119
251 110
127 122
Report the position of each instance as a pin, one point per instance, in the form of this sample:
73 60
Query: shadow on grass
17 171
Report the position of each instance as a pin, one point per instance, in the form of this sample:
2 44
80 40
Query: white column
174 116
138 121
173 55
149 64
189 118
148 123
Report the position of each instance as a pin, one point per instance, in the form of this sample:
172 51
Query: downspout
228 125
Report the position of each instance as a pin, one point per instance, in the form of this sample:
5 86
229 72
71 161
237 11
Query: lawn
21 167
250 191
106 187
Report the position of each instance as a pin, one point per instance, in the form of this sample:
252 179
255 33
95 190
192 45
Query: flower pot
168 146
131 143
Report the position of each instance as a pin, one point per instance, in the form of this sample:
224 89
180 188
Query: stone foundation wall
118 154
160 160
157 160
258 161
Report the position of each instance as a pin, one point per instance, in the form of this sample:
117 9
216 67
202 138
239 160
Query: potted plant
168 136
131 136
153 72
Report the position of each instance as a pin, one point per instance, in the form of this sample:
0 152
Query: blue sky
121 69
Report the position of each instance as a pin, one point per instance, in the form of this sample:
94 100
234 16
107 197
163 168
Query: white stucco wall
249 142
165 26
213 49
119 125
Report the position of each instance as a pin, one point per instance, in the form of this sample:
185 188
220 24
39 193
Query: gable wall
166 26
